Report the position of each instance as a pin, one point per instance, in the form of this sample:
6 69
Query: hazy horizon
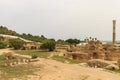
62 19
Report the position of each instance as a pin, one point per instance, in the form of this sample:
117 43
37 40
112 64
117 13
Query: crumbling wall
78 56
98 63
113 56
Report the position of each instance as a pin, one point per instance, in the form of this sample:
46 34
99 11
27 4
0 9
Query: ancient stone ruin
31 46
94 49
15 59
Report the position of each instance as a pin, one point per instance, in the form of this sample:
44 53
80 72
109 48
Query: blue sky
62 19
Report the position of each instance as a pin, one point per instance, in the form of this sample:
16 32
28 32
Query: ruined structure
31 46
60 47
94 49
80 56
12 59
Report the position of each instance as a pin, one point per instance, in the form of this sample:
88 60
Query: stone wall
78 56
113 56
31 46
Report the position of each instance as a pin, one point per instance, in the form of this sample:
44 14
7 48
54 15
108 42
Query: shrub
2 45
34 56
50 45
16 43
73 41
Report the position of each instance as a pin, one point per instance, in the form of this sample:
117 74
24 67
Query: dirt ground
54 70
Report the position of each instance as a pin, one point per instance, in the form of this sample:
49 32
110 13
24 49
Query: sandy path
54 70
3 51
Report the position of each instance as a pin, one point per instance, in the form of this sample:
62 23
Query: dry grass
17 71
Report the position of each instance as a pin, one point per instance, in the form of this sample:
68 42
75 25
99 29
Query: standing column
114 31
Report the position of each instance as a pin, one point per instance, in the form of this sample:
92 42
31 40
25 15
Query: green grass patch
38 53
64 59
117 71
2 57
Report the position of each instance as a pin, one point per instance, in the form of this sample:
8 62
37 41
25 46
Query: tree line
46 43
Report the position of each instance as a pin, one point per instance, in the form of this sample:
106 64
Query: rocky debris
9 56
16 59
98 63
112 67
84 65
34 60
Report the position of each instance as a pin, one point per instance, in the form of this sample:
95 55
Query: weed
34 56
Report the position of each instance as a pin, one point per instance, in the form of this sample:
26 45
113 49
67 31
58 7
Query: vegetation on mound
6 31
64 59
36 38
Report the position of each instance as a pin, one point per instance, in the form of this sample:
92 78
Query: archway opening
74 56
95 56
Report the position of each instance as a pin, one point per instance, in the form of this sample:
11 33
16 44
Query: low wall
113 56
78 56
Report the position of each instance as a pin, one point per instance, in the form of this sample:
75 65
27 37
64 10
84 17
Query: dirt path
3 51
54 70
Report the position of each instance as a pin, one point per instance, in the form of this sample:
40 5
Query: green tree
42 36
16 43
5 30
49 44
73 41
3 45
60 41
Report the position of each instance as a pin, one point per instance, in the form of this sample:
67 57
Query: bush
73 41
3 45
34 56
50 45
16 43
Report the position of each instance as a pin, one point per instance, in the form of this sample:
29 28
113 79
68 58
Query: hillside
6 31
